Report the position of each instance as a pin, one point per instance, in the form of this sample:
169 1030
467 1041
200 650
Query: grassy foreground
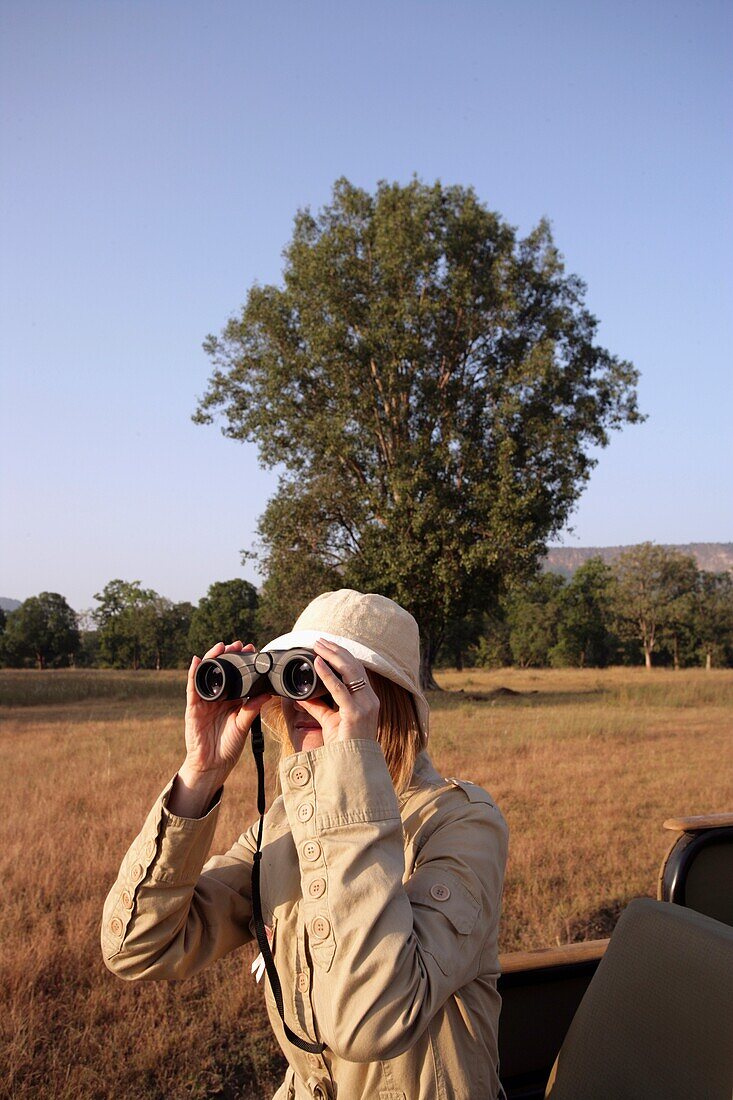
584 765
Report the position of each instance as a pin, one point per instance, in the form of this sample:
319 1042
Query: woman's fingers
247 711
317 708
233 647
330 679
342 661
191 679
339 657
348 668
239 647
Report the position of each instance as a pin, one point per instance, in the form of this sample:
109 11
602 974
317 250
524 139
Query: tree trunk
459 658
427 655
676 653
647 656
708 660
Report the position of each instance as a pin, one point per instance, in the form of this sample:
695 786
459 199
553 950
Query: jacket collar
423 775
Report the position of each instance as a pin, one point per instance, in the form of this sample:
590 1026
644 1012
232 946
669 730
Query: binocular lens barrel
290 673
299 678
213 680
217 679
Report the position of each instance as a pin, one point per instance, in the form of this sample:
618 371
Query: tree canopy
138 628
712 617
586 604
432 386
226 613
652 583
122 621
44 628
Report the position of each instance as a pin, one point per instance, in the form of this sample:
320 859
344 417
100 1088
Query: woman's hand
358 712
216 732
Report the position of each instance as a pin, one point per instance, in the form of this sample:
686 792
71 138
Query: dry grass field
585 766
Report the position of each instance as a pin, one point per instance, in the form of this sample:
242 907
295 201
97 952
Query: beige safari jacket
384 914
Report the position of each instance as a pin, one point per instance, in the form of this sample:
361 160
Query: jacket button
136 873
299 776
150 849
320 928
311 850
305 811
440 891
303 982
115 926
127 899
317 888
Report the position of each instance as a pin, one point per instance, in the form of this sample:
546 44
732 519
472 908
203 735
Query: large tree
44 628
652 585
165 627
584 634
137 628
431 384
225 614
532 615
713 617
678 622
124 619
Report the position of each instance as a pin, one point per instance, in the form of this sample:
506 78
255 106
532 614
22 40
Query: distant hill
716 557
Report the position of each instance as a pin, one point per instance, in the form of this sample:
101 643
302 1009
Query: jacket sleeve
168 915
387 955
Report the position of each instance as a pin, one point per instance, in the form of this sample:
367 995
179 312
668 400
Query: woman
381 881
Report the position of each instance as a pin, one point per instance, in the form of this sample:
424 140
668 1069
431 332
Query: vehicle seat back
657 1017
697 871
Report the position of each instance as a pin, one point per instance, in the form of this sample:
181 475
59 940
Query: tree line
651 606
132 627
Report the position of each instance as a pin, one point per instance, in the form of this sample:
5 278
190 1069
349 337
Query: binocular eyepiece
287 672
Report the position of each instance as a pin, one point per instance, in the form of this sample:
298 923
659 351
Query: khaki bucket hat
373 628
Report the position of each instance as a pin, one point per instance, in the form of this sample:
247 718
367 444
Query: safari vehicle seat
657 1018
697 871
542 989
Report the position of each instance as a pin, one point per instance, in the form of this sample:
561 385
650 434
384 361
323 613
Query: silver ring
355 685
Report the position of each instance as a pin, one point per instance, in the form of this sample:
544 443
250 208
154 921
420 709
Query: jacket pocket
445 913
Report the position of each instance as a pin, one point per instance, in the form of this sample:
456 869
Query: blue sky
154 154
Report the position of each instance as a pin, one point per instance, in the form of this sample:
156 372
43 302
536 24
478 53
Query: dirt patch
598 924
495 693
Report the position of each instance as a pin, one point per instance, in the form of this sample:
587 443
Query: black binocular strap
258 751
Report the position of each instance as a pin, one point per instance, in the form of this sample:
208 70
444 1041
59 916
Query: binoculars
288 672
